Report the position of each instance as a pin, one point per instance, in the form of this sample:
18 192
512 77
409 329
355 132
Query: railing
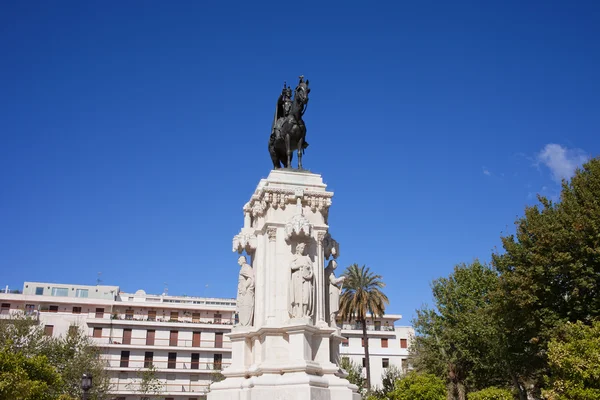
200 388
186 320
358 327
207 366
142 341
12 314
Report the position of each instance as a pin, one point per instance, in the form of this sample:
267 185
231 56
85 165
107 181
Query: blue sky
131 134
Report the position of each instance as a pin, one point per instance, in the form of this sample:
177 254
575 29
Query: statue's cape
278 111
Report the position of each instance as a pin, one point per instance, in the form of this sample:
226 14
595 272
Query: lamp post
86 384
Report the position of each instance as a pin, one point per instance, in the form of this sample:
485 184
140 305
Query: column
270 274
320 285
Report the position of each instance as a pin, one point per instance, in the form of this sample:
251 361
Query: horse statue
288 131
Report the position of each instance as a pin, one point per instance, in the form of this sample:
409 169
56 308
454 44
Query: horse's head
302 91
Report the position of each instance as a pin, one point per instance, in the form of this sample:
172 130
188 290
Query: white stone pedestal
280 357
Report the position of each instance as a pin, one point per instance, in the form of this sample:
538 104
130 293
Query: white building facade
184 338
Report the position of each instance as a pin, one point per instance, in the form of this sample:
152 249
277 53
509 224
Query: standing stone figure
245 294
332 306
301 286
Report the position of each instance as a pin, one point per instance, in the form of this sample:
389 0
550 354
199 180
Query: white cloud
561 161
486 171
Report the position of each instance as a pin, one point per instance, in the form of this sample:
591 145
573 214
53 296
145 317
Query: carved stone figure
245 294
288 131
301 288
334 286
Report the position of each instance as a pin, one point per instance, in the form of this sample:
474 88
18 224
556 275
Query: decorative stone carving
272 234
298 227
245 293
334 286
330 247
244 241
301 289
263 198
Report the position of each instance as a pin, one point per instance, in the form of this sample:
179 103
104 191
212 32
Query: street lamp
86 384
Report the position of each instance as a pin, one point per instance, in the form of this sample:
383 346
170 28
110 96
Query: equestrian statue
288 131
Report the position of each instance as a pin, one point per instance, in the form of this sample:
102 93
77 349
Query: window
148 359
81 293
129 314
195 360
60 291
217 318
53 308
76 310
5 308
196 317
124 359
29 309
403 343
126 336
174 315
151 315
99 312
172 363
150 337
345 343
218 361
48 329
364 362
384 342
97 332
196 339
39 291
377 325
173 338
385 362
219 340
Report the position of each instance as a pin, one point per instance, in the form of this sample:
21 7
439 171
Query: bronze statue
288 131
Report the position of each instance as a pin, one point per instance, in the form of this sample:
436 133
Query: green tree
491 393
148 386
549 274
74 354
362 295
354 373
458 340
417 386
574 356
70 355
27 377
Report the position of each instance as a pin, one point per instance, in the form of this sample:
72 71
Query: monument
286 343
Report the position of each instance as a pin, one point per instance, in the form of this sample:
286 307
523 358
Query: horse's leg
274 158
288 149
300 143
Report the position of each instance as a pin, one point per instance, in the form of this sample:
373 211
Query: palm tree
362 296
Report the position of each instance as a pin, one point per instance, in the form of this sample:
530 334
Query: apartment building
388 345
183 337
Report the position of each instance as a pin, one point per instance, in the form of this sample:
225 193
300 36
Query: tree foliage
361 296
354 373
574 356
147 385
531 321
458 340
491 393
68 356
417 386
549 271
27 377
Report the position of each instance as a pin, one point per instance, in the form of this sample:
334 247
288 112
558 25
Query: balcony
219 324
370 328
161 343
168 389
115 363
